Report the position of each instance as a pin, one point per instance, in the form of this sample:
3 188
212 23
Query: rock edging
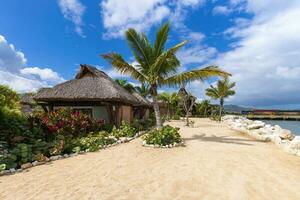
28 165
181 144
282 138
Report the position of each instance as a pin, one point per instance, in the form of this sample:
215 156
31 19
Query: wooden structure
92 91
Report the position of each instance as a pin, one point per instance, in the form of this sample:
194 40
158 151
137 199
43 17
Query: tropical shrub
91 142
67 122
164 136
125 130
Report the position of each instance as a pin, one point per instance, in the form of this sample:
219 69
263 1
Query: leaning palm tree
170 99
223 90
124 84
143 90
156 65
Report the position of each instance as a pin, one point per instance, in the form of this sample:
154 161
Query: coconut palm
144 89
203 107
157 66
170 99
127 86
223 90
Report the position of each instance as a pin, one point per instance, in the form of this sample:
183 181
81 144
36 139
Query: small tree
8 97
144 89
223 90
187 102
127 86
170 99
203 108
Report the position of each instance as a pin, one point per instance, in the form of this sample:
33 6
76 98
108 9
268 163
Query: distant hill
235 108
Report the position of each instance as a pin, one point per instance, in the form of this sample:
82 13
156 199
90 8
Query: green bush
164 136
125 130
92 142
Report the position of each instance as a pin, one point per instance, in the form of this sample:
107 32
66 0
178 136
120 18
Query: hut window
87 111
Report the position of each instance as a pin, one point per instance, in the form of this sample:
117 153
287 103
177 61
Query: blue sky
42 43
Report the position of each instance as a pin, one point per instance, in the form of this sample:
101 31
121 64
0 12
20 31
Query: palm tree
157 66
203 107
223 90
144 89
170 99
127 86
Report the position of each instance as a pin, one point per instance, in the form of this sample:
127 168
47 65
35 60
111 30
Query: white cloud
73 10
196 54
10 59
45 74
12 62
223 10
265 62
118 16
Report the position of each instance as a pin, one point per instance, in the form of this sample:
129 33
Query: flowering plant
67 122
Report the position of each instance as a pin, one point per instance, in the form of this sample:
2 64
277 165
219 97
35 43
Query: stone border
28 165
282 138
181 144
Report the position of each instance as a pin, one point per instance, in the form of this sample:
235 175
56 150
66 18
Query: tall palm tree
144 89
157 66
127 86
170 99
223 90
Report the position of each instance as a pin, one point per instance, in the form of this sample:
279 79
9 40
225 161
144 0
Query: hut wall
127 114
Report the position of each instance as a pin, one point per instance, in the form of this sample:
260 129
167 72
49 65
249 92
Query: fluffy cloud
10 58
118 16
265 62
73 10
45 74
14 73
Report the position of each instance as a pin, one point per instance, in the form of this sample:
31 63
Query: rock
12 170
286 135
52 158
19 170
144 143
26 166
66 156
123 139
5 172
35 163
295 143
256 125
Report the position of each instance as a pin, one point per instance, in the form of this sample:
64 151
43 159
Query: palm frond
161 38
167 62
140 47
117 61
199 74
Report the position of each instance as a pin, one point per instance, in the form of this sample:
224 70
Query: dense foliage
40 135
125 130
163 136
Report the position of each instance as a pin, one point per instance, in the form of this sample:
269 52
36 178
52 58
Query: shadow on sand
223 139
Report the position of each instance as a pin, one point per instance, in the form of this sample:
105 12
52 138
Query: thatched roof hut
89 85
92 91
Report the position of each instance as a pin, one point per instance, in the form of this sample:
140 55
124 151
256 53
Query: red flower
52 128
60 124
45 120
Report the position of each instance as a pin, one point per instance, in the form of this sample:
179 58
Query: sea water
293 126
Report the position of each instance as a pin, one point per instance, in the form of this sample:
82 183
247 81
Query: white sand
217 163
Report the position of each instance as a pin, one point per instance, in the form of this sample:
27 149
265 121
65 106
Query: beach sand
217 163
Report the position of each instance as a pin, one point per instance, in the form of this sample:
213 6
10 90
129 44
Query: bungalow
92 91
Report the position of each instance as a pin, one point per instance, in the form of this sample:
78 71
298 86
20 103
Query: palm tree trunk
156 112
221 108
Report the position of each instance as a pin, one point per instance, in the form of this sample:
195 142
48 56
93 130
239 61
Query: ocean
293 126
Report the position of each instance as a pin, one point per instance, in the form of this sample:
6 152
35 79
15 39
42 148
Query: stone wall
282 138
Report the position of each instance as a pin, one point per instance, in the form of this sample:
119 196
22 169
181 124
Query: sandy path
217 163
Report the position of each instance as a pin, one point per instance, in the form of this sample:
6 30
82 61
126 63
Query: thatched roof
143 101
27 98
90 84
